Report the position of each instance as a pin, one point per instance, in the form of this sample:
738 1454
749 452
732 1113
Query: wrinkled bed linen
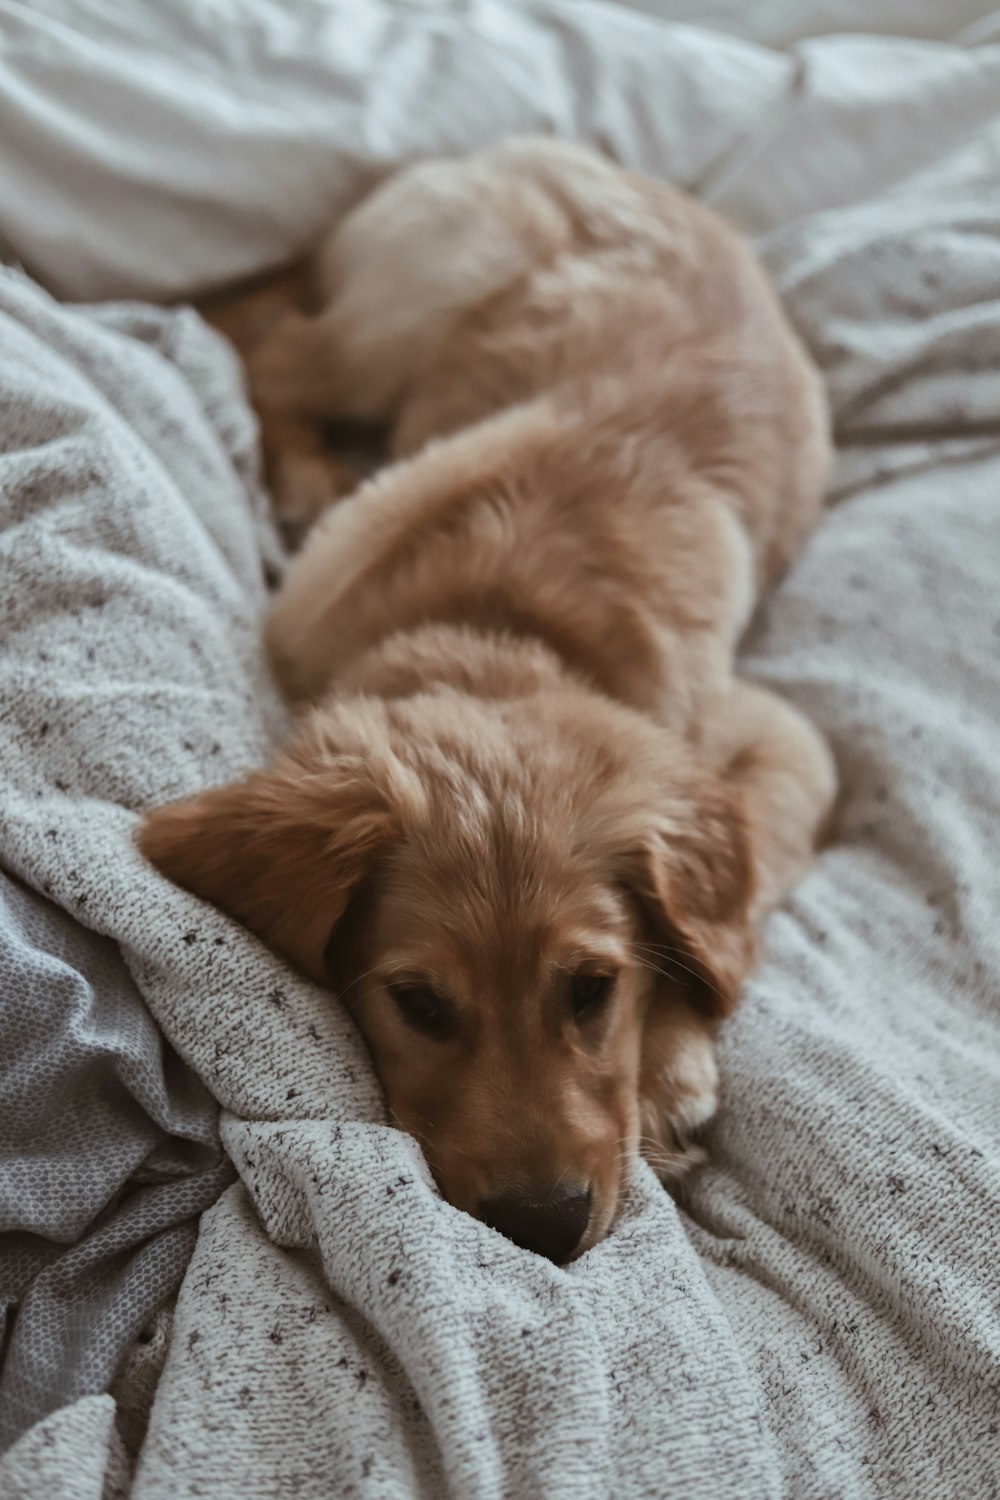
821 1316
109 1143
109 1149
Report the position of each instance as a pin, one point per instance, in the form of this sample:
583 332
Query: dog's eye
424 1010
588 992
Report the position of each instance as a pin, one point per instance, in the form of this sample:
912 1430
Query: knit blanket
820 1316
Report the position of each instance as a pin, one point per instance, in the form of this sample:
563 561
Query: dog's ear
284 850
693 875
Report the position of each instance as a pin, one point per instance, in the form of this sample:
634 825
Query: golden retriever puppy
530 820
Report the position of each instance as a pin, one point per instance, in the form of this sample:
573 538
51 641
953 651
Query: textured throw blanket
109 1146
108 1152
821 1316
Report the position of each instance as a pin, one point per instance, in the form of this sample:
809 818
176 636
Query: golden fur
530 820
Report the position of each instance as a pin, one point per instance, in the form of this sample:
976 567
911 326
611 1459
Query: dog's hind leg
303 471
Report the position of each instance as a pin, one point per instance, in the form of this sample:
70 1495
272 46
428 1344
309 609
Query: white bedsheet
153 150
823 1318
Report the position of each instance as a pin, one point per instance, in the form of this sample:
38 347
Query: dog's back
638 442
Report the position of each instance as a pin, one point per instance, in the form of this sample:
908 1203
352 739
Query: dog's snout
550 1223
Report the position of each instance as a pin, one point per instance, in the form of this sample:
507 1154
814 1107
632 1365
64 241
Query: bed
224 1274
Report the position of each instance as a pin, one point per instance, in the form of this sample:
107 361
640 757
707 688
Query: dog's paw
677 1104
304 486
671 1158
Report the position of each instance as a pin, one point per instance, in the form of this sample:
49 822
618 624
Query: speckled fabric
109 1146
73 1454
109 1149
820 1318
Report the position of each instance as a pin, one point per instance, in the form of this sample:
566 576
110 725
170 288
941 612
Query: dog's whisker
559 1179
367 975
666 974
661 950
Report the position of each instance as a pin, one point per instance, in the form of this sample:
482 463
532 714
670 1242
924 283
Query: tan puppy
531 821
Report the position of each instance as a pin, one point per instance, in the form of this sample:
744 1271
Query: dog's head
508 898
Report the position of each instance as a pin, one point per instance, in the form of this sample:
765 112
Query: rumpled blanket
109 1150
820 1317
109 1145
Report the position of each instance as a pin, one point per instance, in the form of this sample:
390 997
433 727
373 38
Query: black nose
551 1224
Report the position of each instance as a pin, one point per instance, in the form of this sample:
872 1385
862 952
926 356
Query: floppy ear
694 878
281 851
